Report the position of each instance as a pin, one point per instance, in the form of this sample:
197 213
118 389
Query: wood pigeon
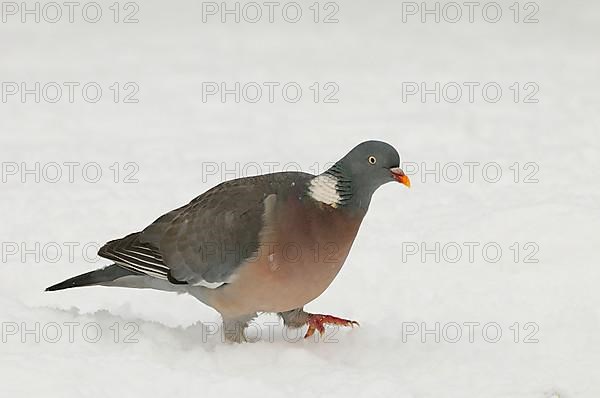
269 243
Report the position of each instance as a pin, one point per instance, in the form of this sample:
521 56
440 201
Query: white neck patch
322 188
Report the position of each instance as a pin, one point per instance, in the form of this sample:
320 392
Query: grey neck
350 196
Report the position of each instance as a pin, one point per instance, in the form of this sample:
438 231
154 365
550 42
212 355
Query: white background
171 135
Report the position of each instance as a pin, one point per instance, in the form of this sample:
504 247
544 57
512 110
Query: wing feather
205 241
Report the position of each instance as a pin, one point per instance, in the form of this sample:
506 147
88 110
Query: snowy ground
161 344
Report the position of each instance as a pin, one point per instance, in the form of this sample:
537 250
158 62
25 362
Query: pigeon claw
317 322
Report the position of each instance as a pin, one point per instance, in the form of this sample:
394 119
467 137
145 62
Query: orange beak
399 176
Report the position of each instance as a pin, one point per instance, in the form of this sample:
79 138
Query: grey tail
106 274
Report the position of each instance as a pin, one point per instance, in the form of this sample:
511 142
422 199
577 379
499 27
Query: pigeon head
352 180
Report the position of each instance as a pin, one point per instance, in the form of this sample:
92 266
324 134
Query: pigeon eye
372 160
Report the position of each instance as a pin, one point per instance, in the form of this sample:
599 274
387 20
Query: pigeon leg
316 322
233 328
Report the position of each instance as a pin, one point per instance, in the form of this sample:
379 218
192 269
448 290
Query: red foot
318 322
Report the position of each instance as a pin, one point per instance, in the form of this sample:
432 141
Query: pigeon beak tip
399 176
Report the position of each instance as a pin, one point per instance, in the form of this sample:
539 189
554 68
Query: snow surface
170 133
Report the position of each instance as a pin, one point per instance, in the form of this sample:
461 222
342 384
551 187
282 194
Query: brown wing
206 240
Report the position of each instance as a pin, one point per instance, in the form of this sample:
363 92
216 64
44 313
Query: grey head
357 175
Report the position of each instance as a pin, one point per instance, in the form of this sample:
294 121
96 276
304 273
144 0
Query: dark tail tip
63 285
95 277
55 287
89 278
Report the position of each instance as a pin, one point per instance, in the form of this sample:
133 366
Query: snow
178 146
